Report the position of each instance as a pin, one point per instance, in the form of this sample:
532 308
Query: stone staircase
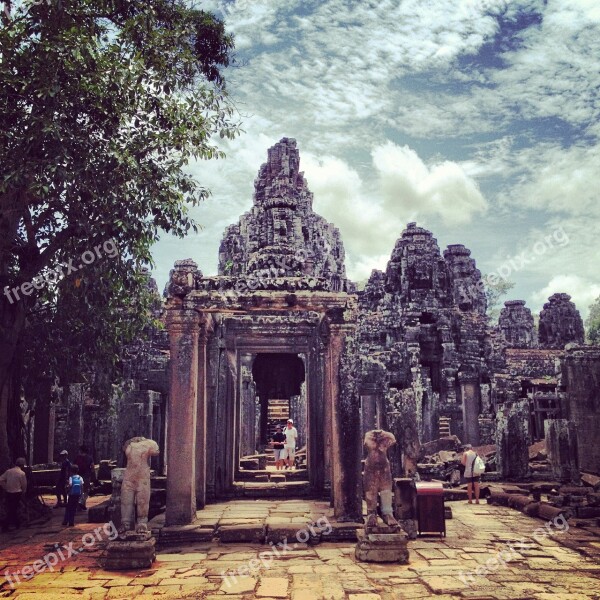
444 426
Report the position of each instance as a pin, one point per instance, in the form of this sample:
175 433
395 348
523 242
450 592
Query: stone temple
281 332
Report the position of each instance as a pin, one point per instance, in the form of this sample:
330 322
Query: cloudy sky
479 119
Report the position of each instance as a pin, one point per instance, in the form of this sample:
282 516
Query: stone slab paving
490 552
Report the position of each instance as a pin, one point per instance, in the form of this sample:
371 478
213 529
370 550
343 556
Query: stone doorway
273 389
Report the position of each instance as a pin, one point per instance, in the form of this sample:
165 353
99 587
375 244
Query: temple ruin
281 332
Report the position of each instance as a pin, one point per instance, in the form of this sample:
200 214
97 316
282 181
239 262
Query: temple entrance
273 391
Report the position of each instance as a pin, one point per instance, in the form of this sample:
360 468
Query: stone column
368 402
561 443
325 377
580 378
346 442
470 393
201 417
512 439
182 416
51 426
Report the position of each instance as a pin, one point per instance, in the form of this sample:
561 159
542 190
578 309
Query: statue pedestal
381 547
130 551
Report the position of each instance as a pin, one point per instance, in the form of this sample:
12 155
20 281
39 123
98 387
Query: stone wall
424 319
580 401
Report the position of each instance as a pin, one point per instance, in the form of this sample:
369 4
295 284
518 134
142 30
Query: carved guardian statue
377 478
135 491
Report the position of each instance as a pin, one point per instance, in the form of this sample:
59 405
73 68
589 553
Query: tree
103 104
494 291
592 323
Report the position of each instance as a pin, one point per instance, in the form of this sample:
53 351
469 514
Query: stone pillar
470 393
51 426
512 440
561 443
182 416
580 378
346 455
368 405
403 423
324 364
201 417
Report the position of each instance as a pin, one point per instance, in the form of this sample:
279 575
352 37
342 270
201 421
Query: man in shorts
278 447
468 460
289 448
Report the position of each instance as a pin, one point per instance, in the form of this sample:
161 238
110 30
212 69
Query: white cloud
341 198
583 292
346 76
443 189
556 179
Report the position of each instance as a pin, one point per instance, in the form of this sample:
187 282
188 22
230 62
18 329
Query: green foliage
103 103
592 323
494 292
228 267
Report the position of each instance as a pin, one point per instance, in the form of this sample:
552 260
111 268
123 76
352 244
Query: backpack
478 466
76 485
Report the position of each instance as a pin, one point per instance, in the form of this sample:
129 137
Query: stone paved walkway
561 564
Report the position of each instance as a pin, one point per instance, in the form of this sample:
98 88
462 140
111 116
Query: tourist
87 471
468 460
14 482
61 484
75 488
278 441
289 448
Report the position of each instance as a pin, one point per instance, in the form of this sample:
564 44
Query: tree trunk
12 323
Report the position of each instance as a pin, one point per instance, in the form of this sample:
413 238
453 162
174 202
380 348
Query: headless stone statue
135 490
377 478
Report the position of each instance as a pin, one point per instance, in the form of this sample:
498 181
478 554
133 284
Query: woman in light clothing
468 460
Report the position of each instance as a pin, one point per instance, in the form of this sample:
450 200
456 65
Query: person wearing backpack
74 491
474 468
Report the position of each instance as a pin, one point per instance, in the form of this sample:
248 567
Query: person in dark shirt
87 471
61 484
278 442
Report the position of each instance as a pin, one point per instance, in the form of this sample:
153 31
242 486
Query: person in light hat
289 448
63 476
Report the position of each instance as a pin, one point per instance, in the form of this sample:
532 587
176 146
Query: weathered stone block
342 532
561 442
593 499
532 509
126 555
98 513
519 502
587 512
551 512
381 547
512 439
185 534
294 533
254 534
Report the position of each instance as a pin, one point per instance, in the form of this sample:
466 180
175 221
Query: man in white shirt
289 448
14 482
